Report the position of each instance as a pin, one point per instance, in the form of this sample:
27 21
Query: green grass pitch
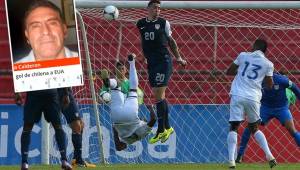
166 167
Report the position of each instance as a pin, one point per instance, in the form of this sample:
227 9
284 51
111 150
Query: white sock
231 141
133 78
262 141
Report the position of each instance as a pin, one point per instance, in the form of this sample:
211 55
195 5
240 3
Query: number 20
160 77
254 70
149 35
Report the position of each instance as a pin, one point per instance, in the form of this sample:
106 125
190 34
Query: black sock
25 142
160 107
60 138
77 143
166 115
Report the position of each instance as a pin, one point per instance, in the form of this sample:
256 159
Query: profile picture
44 44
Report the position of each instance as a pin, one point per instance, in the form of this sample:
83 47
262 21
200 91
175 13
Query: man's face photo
44 49
45 32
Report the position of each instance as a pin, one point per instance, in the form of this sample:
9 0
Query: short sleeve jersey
155 37
253 67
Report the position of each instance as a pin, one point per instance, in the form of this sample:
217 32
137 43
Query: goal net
198 95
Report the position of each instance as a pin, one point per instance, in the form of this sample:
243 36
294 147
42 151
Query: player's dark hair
42 3
152 2
261 45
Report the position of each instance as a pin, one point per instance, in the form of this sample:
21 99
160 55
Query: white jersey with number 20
253 67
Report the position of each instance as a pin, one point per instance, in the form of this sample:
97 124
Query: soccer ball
106 97
111 12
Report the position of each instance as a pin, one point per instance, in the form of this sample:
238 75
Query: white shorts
239 106
124 109
131 133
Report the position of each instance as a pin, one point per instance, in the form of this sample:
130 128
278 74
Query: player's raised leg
252 109
131 105
262 141
289 125
133 78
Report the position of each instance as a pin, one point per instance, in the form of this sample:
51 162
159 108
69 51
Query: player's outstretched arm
174 49
296 90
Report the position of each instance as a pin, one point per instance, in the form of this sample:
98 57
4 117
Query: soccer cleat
131 57
105 77
157 137
167 132
24 166
65 165
239 159
82 164
272 163
231 164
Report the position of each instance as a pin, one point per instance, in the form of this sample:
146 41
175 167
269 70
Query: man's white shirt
30 57
253 67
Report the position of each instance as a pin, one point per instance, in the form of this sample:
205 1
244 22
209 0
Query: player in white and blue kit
124 108
275 104
250 70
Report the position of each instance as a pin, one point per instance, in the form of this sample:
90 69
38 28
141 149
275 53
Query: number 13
254 70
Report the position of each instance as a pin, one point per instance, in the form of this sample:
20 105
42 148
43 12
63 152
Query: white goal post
209 35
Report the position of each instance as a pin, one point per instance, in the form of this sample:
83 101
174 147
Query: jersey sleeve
237 61
270 69
138 23
168 29
283 81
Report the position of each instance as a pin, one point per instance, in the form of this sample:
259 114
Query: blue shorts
71 112
44 101
159 73
282 114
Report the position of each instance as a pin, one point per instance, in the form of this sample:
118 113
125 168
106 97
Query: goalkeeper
124 104
275 104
